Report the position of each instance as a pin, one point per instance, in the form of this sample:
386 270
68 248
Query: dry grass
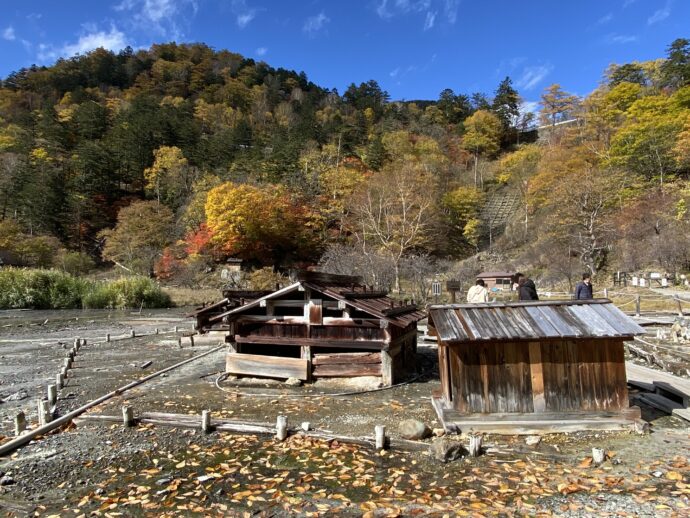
192 296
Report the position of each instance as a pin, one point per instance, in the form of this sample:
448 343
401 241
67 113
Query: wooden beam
537 375
400 310
346 371
314 342
364 294
346 358
266 366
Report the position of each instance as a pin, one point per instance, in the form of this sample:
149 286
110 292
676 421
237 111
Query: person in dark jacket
525 287
584 290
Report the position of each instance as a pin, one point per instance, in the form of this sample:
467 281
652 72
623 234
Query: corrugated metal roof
600 318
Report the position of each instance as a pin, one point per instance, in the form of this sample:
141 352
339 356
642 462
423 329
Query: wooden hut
322 326
522 367
500 280
231 299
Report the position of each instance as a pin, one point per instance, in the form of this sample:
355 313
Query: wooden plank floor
639 374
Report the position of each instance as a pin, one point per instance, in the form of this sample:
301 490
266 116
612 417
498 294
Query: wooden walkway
664 391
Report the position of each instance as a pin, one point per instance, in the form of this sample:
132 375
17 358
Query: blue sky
413 48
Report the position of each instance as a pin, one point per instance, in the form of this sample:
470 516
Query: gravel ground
82 468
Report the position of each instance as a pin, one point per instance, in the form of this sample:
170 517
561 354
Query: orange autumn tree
264 224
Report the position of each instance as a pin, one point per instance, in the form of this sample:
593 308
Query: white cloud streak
660 15
244 14
532 76
113 40
620 39
261 51
429 21
160 16
8 34
314 24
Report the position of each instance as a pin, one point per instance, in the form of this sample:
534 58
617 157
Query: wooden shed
522 367
500 280
322 326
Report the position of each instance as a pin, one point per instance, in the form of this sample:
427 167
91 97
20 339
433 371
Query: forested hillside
173 159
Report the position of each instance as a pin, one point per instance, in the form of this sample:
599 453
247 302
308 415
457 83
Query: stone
18 396
293 382
532 440
438 432
445 450
7 480
163 481
413 429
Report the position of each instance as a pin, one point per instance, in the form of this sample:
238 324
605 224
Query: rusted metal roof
599 318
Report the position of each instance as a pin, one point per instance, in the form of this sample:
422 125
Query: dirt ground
105 469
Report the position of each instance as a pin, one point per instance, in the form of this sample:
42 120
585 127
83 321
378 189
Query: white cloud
261 51
160 16
627 3
387 9
244 14
114 40
314 24
605 19
529 107
8 34
532 76
660 15
620 38
450 9
429 21
395 72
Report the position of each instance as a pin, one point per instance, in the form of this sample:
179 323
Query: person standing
525 287
584 290
478 293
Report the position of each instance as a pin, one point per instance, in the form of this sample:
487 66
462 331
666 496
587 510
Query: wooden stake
83 342
281 427
68 362
598 456
179 342
680 308
637 306
76 343
475 447
132 334
43 412
127 416
380 436
175 329
606 293
64 372
60 380
107 337
19 423
156 331
191 341
206 421
52 395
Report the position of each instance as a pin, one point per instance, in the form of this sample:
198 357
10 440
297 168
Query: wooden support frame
374 345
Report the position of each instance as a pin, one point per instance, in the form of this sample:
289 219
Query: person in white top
478 293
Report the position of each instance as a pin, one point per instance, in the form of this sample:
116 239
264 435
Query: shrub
127 292
51 289
75 263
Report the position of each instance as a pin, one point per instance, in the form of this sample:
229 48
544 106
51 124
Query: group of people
527 290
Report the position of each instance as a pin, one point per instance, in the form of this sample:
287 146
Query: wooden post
64 372
380 437
132 334
206 421
127 416
107 337
156 331
281 427
43 412
387 377
191 341
680 308
179 342
475 447
76 343
606 293
175 329
60 380
68 362
637 306
19 423
52 395
537 374
83 342
598 456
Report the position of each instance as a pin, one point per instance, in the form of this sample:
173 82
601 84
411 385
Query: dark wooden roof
374 303
464 323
